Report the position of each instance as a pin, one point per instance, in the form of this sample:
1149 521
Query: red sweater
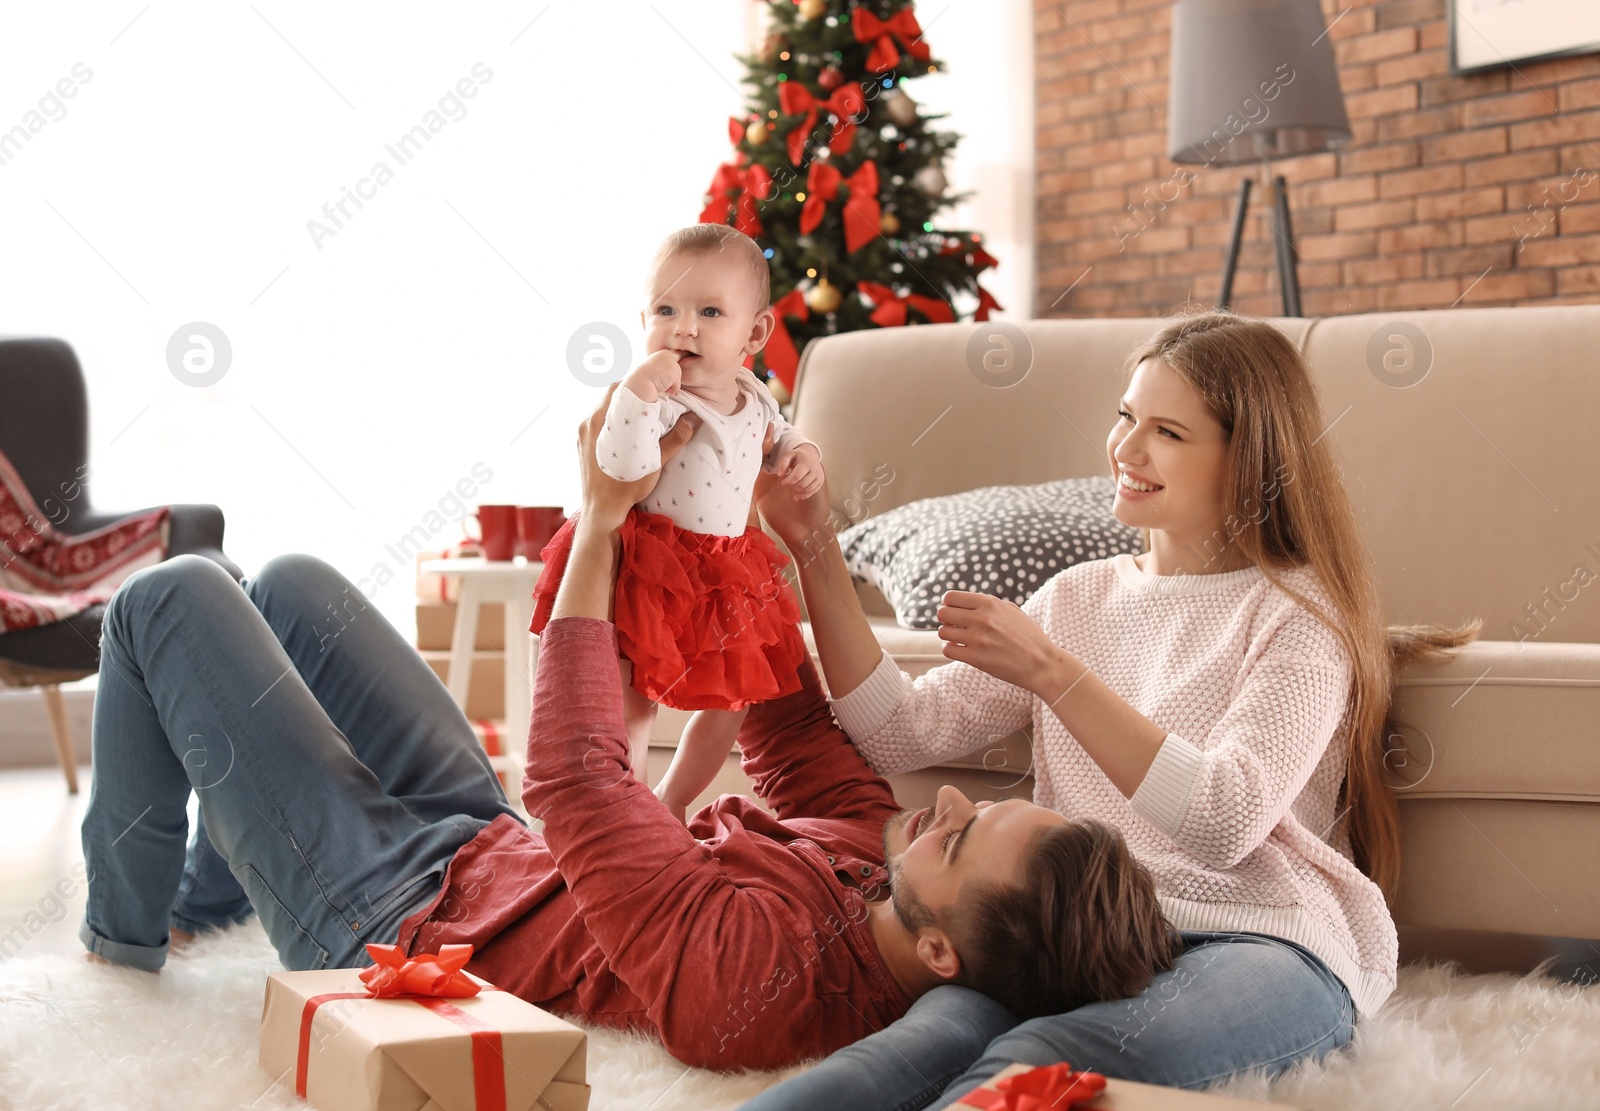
737 941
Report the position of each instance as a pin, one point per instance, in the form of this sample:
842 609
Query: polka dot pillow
1007 541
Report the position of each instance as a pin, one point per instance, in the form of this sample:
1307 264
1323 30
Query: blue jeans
1232 1001
335 776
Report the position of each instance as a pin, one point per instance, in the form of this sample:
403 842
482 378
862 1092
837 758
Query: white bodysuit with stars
709 484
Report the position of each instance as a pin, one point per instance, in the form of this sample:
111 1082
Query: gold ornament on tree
930 181
888 223
824 297
756 133
813 9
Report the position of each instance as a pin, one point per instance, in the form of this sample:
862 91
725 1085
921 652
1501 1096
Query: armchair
44 433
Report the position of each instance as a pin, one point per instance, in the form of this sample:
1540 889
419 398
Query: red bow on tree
885 55
986 302
891 306
779 354
735 189
424 974
846 102
980 258
861 210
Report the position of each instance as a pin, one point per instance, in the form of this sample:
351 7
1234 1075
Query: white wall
374 368
987 87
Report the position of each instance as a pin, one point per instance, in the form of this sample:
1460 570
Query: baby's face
703 305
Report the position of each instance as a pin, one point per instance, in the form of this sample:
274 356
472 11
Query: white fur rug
80 1035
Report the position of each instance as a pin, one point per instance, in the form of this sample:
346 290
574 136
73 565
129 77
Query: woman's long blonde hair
1288 508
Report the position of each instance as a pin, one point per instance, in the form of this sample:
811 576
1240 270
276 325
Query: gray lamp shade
1251 79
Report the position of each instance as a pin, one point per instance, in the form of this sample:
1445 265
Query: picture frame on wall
1493 34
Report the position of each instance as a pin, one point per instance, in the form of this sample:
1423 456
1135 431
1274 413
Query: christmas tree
837 175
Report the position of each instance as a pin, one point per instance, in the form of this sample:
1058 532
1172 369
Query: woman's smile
1135 488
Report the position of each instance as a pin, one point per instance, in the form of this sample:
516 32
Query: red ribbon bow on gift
437 974
780 354
428 979
846 102
1050 1088
891 310
861 211
885 55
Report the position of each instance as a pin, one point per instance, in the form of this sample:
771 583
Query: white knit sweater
1237 817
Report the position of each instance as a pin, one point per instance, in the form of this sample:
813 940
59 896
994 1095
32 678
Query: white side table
510 582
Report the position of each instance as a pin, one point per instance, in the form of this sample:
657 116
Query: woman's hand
996 636
606 500
800 522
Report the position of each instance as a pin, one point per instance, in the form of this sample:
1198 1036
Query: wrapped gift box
436 624
344 1049
486 689
1046 1087
441 588
492 735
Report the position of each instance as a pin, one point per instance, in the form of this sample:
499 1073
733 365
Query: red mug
536 524
497 526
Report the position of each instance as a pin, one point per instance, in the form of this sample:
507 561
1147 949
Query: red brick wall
1472 191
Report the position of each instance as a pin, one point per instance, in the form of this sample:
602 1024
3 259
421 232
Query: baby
704 618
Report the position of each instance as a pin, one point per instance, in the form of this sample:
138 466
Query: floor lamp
1253 80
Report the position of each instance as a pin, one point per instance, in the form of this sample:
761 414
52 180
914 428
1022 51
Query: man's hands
656 375
997 636
588 588
606 500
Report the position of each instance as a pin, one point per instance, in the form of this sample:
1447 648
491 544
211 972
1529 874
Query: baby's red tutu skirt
709 622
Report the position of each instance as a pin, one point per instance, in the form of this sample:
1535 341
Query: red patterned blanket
47 575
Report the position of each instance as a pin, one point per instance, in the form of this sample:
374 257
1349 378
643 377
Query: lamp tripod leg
1288 276
1231 263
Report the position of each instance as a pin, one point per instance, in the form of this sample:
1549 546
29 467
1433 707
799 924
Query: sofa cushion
1002 540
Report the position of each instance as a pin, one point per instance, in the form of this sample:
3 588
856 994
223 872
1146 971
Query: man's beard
912 912
895 822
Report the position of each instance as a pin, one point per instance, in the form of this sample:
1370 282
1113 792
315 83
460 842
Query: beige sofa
1479 487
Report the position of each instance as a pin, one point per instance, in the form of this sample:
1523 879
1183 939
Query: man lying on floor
748 939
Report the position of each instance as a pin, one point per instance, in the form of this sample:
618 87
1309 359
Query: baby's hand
656 375
800 471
